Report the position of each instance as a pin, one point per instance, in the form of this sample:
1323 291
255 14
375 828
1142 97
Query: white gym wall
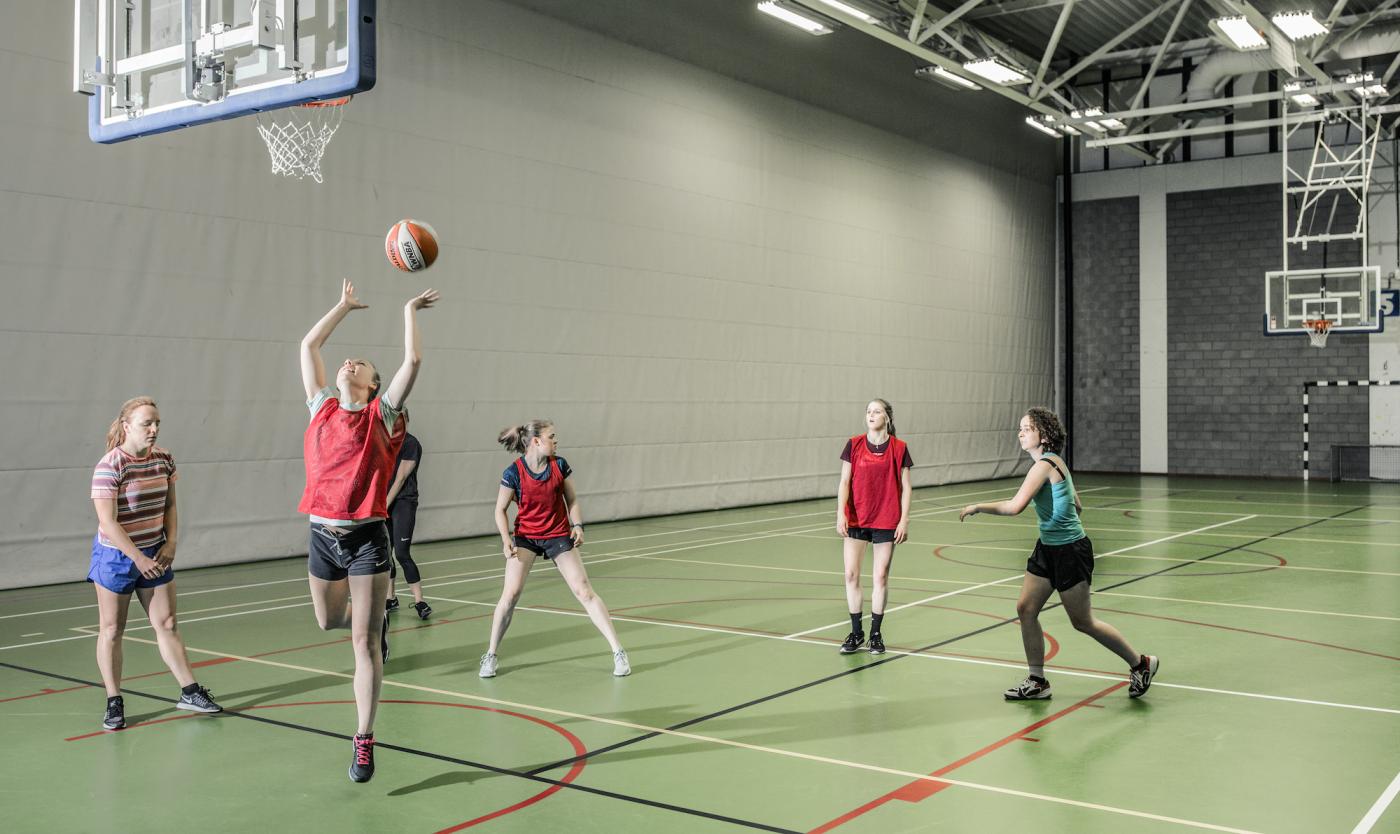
700 281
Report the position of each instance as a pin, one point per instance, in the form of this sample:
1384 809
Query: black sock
875 620
191 689
855 623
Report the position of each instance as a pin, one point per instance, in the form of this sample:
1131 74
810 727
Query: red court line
574 741
921 789
41 694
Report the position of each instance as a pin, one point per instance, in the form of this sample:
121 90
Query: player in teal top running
1063 559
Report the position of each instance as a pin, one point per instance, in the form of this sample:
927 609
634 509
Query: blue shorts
114 570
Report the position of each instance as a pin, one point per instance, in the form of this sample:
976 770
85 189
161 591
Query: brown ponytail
517 438
116 435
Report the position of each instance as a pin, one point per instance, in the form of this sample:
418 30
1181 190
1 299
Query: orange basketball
411 245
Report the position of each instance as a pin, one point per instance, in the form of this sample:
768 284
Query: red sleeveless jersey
350 458
540 512
876 485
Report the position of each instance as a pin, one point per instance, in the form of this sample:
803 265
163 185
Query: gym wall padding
700 281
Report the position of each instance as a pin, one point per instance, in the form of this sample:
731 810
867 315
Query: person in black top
403 513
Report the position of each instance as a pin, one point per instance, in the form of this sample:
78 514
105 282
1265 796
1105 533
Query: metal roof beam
1014 6
1050 46
1161 53
947 20
1112 42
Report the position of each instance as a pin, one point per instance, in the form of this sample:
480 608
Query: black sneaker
423 609
391 604
362 766
115 719
384 639
198 701
1142 676
1030 689
854 641
877 643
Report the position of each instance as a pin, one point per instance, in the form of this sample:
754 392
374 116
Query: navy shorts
338 552
874 535
1065 565
114 570
548 548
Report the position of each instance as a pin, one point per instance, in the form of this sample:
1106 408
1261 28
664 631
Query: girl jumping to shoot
350 449
548 523
1063 559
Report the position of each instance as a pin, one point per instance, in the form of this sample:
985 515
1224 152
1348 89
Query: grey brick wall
1105 433
1235 395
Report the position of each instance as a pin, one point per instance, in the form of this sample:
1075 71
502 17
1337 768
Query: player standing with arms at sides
872 506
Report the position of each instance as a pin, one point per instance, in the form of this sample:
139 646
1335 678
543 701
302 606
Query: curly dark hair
1052 431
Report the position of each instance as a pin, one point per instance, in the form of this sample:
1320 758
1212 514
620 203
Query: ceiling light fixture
1299 25
949 79
850 10
1239 33
996 72
792 18
1300 96
1038 122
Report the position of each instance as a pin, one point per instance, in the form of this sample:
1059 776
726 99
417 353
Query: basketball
411 245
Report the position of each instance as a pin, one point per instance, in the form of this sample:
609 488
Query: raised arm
313 371
843 496
1035 479
402 383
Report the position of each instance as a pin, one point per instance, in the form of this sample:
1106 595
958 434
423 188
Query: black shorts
874 535
1065 565
548 548
338 552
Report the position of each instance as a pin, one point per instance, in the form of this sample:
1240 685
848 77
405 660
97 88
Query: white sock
1038 671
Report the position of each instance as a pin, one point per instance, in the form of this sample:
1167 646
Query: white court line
184 594
893 578
1378 808
951 658
1018 576
1096 528
757 748
1356 522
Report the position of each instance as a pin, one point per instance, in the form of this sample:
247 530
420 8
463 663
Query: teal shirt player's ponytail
1054 504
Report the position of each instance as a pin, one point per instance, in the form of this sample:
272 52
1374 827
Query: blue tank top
1054 504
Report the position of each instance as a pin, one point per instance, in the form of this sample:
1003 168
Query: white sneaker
621 668
488 666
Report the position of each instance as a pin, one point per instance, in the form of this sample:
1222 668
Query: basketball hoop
297 142
1317 331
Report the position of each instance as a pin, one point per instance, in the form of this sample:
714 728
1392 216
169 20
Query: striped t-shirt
139 486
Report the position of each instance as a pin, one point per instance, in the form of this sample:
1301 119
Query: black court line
940 644
428 754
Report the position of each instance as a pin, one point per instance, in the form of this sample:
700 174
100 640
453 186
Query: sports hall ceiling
864 66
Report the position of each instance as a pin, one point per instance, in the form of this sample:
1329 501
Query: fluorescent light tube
996 72
850 10
1239 32
806 24
1299 25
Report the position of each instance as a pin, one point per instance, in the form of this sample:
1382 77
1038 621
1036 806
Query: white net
1317 332
297 140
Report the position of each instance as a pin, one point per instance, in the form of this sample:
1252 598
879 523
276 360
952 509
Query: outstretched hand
347 296
421 302
970 509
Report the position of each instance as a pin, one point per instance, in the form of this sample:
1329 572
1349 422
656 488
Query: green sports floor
1275 608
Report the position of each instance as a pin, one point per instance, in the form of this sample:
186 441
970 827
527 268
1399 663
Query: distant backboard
152 66
1349 297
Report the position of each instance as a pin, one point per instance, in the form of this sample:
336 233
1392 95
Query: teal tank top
1054 504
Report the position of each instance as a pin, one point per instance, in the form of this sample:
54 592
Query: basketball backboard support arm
230 58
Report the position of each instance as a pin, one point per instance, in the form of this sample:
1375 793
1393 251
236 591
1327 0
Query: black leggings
402 516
